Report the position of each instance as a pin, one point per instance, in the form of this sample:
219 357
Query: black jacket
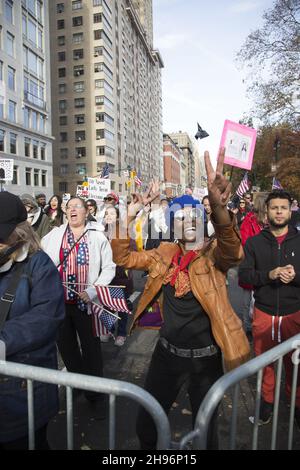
262 254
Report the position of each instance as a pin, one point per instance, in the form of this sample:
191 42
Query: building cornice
18 128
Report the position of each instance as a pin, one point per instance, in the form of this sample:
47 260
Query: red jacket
249 227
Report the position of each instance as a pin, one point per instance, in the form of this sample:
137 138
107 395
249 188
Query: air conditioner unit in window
78 139
77 73
96 54
97 119
79 155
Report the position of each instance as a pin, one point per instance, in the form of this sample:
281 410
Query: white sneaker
104 338
120 340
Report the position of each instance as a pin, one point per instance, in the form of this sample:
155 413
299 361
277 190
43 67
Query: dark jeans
41 442
120 329
85 358
167 374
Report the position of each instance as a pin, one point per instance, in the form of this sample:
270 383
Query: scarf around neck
178 274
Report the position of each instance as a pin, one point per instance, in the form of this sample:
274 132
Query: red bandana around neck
178 274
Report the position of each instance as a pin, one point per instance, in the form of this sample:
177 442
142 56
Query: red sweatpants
264 339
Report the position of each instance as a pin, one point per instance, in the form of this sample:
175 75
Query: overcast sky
198 41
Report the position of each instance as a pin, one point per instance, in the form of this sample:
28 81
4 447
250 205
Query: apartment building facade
173 158
184 142
25 99
106 93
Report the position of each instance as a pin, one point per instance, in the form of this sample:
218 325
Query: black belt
207 351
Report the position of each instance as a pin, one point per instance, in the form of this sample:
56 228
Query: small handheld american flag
113 298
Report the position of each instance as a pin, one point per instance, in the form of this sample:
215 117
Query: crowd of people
52 255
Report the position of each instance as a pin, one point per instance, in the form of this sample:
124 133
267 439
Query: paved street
130 363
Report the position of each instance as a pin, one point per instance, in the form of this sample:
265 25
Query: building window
28 176
13 143
44 178
11 78
60 24
77 21
8 12
78 54
64 169
61 40
63 137
60 8
12 111
79 103
61 56
61 72
62 105
63 120
43 151
76 4
35 149
10 44
62 88
81 169
79 135
77 37
78 70
79 87
34 120
80 152
63 153
97 17
36 177
2 140
79 119
27 147
63 187
1 106
15 175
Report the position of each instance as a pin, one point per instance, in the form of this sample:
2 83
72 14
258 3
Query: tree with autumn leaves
271 56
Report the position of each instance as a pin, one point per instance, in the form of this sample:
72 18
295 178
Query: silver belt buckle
8 298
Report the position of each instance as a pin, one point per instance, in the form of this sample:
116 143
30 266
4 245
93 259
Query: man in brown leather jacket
189 277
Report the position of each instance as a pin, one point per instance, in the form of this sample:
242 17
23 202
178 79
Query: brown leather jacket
208 281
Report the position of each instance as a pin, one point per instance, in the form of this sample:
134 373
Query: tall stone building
25 99
183 140
106 91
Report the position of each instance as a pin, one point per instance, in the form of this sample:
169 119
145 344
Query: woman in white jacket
83 257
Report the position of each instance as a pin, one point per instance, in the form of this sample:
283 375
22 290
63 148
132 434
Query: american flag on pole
243 186
113 298
137 180
105 171
276 184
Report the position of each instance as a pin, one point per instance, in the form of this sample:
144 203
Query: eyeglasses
248 197
90 205
108 199
193 214
75 206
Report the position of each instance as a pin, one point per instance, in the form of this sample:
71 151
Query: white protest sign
82 191
6 169
98 188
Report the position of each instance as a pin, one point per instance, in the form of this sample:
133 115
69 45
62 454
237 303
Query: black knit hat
12 213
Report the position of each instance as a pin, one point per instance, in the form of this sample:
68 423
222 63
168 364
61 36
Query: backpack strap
8 297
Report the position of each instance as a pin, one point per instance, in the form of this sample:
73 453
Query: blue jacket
30 335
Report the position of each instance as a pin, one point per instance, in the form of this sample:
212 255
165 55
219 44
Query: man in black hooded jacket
272 266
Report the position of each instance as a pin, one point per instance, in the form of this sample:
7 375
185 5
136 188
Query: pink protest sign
239 142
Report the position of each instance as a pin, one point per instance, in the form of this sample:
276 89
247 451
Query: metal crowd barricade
213 398
111 387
